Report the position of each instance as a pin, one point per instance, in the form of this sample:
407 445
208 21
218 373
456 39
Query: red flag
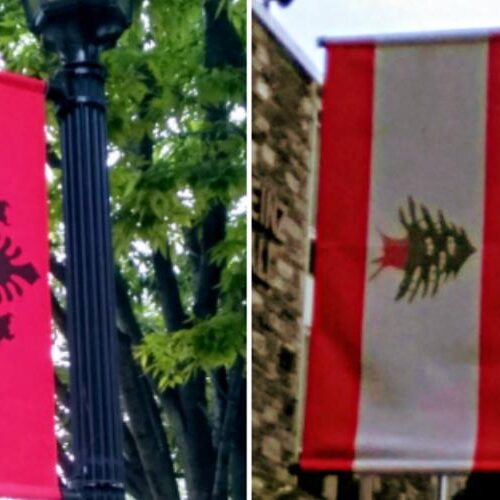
404 363
27 437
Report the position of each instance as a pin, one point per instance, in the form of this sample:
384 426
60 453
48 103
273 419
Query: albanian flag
404 366
27 439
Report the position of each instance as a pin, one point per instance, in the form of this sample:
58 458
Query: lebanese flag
27 438
404 368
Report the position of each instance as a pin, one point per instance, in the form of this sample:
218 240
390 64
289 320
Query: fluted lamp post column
78 30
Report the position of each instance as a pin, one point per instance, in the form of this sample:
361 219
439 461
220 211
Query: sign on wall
268 215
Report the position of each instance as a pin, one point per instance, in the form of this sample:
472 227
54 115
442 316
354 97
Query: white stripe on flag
418 406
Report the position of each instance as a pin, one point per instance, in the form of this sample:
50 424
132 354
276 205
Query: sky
307 20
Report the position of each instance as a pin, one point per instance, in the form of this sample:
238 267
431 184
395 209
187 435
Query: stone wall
285 102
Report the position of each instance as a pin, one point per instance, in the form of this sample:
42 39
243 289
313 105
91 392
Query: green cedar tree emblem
432 250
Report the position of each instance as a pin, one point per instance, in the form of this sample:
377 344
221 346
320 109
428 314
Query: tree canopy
176 92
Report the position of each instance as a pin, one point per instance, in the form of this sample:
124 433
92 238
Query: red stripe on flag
333 389
487 456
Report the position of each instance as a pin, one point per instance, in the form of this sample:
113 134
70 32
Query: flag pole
79 31
443 486
95 412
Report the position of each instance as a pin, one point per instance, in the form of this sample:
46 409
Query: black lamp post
79 30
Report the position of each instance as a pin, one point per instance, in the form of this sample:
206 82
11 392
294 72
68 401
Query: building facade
285 109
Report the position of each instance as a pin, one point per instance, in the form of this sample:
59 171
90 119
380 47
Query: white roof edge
451 35
286 40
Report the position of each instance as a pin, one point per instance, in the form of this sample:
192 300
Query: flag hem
22 81
423 37
395 466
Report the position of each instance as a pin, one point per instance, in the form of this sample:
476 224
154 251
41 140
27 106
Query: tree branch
58 314
186 405
126 319
223 45
146 426
170 399
53 158
64 461
134 472
57 269
220 489
194 251
168 293
62 392
207 292
238 459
